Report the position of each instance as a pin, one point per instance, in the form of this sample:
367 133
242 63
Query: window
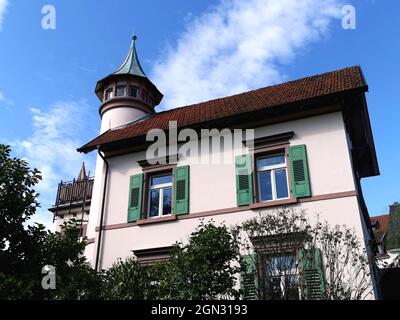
272 178
120 91
281 277
133 92
151 196
109 94
160 195
152 256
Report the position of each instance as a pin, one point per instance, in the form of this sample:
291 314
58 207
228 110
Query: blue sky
47 77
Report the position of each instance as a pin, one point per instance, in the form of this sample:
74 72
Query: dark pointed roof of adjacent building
82 173
131 65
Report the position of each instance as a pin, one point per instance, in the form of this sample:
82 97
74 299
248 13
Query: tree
25 249
127 280
289 258
347 273
75 278
205 268
202 269
18 202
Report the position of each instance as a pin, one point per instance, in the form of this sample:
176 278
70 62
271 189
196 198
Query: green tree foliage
393 233
204 268
25 249
127 280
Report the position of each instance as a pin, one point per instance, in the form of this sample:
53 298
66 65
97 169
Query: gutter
102 211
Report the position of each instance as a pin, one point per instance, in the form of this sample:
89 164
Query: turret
127 94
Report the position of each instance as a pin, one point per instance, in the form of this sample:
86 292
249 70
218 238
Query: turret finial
134 37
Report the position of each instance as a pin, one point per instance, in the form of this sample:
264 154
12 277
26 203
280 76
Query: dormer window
133 92
109 94
120 91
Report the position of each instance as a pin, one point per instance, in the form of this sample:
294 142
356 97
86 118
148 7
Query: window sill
156 220
273 203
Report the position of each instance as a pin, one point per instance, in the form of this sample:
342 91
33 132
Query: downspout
102 211
84 205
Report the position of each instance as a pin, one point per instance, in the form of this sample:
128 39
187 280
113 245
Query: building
312 145
386 229
73 201
380 226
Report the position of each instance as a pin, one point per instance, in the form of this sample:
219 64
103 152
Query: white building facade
312 145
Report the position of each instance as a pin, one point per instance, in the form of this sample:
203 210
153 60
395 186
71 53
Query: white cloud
52 149
4 100
239 45
3 6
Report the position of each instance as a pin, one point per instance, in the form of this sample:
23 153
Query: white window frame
272 169
160 187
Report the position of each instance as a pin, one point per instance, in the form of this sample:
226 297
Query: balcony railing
74 191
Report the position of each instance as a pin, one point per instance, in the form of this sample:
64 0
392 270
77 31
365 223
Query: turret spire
127 94
82 173
131 65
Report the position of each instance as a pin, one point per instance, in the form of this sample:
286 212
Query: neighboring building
312 146
73 201
380 226
386 230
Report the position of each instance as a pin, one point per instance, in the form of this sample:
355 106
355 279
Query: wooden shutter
313 274
244 180
249 278
181 190
135 197
300 182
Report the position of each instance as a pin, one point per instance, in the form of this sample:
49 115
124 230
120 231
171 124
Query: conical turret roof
131 65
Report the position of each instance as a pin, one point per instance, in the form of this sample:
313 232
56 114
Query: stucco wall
119 116
213 186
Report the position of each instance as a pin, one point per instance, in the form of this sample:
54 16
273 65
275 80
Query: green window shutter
244 180
181 190
299 171
313 274
135 197
249 278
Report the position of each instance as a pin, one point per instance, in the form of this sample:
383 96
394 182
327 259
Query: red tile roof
325 84
383 222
